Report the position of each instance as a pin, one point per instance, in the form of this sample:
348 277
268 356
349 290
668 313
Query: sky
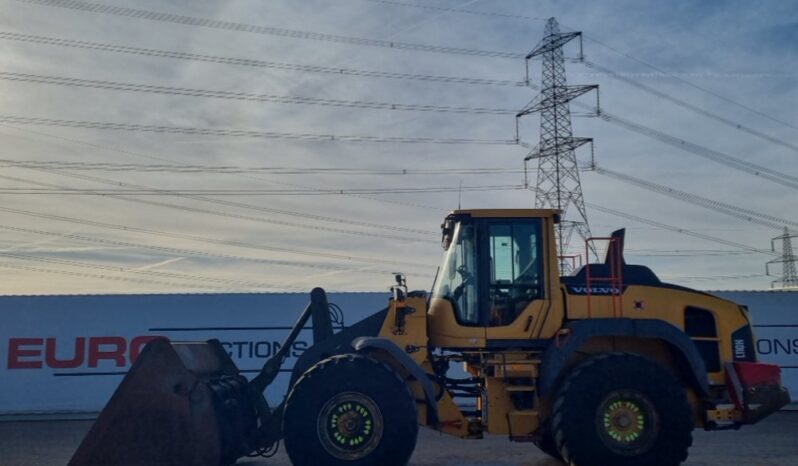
726 69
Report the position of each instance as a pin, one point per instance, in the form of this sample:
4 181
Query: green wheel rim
350 426
627 423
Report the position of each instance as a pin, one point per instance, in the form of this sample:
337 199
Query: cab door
513 291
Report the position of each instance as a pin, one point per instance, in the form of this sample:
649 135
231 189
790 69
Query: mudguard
401 357
580 331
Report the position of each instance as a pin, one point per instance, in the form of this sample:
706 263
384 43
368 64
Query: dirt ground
772 442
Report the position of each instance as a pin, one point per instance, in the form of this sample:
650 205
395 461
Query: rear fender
556 356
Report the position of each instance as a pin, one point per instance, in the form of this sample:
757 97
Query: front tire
350 410
622 410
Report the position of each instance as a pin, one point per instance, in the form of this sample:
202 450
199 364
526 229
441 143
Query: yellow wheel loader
606 367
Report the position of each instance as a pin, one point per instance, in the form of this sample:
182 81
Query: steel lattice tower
789 277
558 184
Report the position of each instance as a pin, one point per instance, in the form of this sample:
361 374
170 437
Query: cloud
731 48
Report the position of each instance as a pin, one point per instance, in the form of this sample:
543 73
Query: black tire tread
546 443
405 433
675 441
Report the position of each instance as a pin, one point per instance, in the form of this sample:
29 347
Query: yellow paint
544 319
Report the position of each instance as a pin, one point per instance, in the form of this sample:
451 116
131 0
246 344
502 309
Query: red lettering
35 353
16 352
137 345
52 360
117 354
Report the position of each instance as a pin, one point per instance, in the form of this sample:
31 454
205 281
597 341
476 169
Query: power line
674 229
71 273
181 252
611 48
238 169
459 10
263 30
715 205
691 147
693 108
63 190
163 129
702 151
684 231
251 192
162 159
227 203
210 240
691 84
687 251
154 273
716 277
243 96
691 254
170 54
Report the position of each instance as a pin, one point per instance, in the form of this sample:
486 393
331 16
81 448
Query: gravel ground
772 442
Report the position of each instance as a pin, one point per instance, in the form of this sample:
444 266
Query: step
519 388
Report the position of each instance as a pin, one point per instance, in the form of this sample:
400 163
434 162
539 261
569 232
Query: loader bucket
180 404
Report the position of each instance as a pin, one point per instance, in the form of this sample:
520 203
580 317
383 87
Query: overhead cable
459 10
216 241
72 273
712 204
175 55
244 96
64 190
229 132
264 30
237 169
186 252
716 277
705 152
682 231
692 107
227 203
693 85
250 176
251 192
137 271
608 47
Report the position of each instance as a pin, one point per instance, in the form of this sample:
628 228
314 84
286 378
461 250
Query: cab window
492 269
457 280
515 269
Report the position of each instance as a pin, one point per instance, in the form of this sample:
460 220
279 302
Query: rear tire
545 442
622 410
350 410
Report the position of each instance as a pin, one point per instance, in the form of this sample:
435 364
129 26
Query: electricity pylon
558 184
789 278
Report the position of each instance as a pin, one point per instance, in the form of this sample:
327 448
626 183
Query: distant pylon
789 277
558 184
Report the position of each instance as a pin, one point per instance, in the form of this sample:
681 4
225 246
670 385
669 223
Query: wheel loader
608 366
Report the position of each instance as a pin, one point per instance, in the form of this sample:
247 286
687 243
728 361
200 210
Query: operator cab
493 267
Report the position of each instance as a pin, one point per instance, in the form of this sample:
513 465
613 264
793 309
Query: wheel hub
627 423
624 421
350 426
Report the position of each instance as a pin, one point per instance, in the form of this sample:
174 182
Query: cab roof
508 213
